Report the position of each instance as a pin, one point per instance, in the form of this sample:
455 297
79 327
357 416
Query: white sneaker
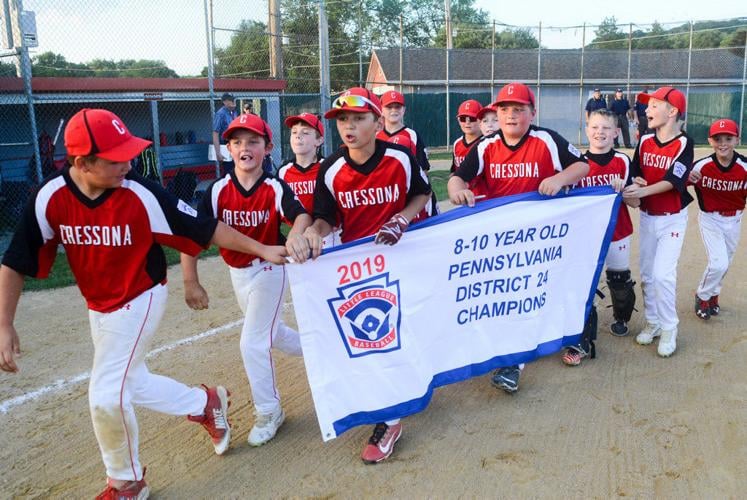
265 427
668 343
648 334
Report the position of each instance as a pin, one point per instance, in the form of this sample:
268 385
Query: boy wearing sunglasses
352 188
470 125
519 158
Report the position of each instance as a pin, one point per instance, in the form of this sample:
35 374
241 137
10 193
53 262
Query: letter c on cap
510 89
722 124
242 118
119 127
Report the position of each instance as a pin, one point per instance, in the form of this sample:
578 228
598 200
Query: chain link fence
163 70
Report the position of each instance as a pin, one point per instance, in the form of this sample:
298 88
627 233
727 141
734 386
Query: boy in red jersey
609 167
307 135
470 125
255 204
371 187
395 131
519 158
112 223
721 186
660 169
488 120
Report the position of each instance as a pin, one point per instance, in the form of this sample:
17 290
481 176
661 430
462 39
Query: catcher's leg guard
589 334
622 294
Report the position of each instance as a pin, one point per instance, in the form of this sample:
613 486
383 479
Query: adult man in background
596 102
620 106
223 117
640 112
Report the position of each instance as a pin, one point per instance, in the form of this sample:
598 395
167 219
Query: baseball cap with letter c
668 94
102 133
724 126
309 119
469 108
252 123
392 97
515 92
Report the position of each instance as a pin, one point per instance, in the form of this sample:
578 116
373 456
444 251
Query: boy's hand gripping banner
461 294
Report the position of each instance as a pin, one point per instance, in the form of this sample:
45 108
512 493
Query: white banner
461 294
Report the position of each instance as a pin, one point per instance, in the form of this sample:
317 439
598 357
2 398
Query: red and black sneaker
381 443
215 418
713 306
137 490
702 308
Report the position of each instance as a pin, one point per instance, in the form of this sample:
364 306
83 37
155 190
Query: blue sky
174 31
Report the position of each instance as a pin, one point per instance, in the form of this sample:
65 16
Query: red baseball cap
484 111
250 122
102 133
469 108
392 97
515 92
724 126
309 119
357 100
668 94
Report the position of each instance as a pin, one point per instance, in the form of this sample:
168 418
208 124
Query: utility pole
449 46
276 40
324 80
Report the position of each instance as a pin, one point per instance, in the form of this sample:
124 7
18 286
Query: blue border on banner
475 370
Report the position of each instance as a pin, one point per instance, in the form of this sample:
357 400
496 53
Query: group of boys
112 224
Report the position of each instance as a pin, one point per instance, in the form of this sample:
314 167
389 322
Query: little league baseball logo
367 314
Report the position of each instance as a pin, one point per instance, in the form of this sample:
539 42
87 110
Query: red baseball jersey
508 170
409 138
112 243
302 181
670 161
460 150
722 189
603 170
256 212
364 197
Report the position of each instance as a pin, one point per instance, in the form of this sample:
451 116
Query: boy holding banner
519 158
348 190
609 167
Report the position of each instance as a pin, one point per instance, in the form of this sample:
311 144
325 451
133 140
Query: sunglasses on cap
467 119
355 101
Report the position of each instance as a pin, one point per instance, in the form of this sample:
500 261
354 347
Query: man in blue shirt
223 117
620 106
641 118
596 102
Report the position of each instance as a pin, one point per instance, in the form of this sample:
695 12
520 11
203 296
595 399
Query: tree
7 69
247 54
609 36
51 64
656 38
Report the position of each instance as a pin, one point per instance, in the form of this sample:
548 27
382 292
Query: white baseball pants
260 290
720 236
618 255
660 246
120 380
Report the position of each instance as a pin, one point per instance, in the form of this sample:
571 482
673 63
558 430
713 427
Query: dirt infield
625 424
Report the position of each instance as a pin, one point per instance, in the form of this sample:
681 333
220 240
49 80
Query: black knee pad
589 334
622 294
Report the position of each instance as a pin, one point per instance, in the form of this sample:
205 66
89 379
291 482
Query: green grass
62 276
439 178
439 155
